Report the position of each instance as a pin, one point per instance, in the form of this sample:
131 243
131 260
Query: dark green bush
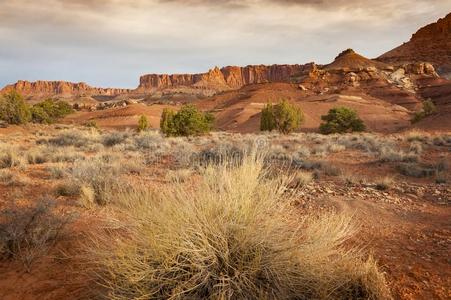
283 116
341 120
13 109
48 111
39 115
186 122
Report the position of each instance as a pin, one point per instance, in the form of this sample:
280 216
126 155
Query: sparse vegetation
115 138
101 174
428 110
27 233
384 183
301 178
199 197
9 157
417 170
283 117
341 120
92 124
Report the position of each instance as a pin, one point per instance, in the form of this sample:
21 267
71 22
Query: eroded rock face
350 72
431 43
60 89
227 78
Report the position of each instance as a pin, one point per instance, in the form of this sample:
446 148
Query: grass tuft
232 236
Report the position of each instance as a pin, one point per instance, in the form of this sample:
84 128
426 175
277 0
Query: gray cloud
112 42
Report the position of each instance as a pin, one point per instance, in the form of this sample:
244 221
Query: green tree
283 116
13 109
341 120
39 115
167 122
143 123
49 110
187 121
267 122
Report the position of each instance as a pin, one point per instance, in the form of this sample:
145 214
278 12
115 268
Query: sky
110 43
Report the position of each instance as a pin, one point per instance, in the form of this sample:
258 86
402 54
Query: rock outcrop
431 43
61 89
227 78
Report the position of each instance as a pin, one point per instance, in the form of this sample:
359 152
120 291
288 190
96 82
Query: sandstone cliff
62 89
227 78
431 43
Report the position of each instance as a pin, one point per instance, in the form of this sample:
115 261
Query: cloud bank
112 42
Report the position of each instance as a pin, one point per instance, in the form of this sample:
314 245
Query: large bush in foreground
187 121
234 235
341 120
283 116
13 109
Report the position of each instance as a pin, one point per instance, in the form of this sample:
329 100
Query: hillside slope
431 43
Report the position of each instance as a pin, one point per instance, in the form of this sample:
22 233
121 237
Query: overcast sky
110 43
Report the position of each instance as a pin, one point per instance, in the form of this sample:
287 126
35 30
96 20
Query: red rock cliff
59 88
231 77
431 43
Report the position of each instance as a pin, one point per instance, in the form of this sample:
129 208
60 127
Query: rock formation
227 78
61 89
431 43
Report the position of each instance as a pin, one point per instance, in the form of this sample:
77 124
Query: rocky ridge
431 43
61 89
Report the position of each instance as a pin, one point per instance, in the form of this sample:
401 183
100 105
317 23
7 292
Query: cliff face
39 89
231 77
431 43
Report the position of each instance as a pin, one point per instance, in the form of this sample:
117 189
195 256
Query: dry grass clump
57 171
87 196
219 154
416 170
27 233
74 137
101 174
37 155
115 138
352 179
180 175
390 154
68 154
68 188
331 170
301 178
416 148
232 236
417 135
7 177
9 157
442 140
384 183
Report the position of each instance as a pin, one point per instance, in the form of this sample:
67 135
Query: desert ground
63 183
